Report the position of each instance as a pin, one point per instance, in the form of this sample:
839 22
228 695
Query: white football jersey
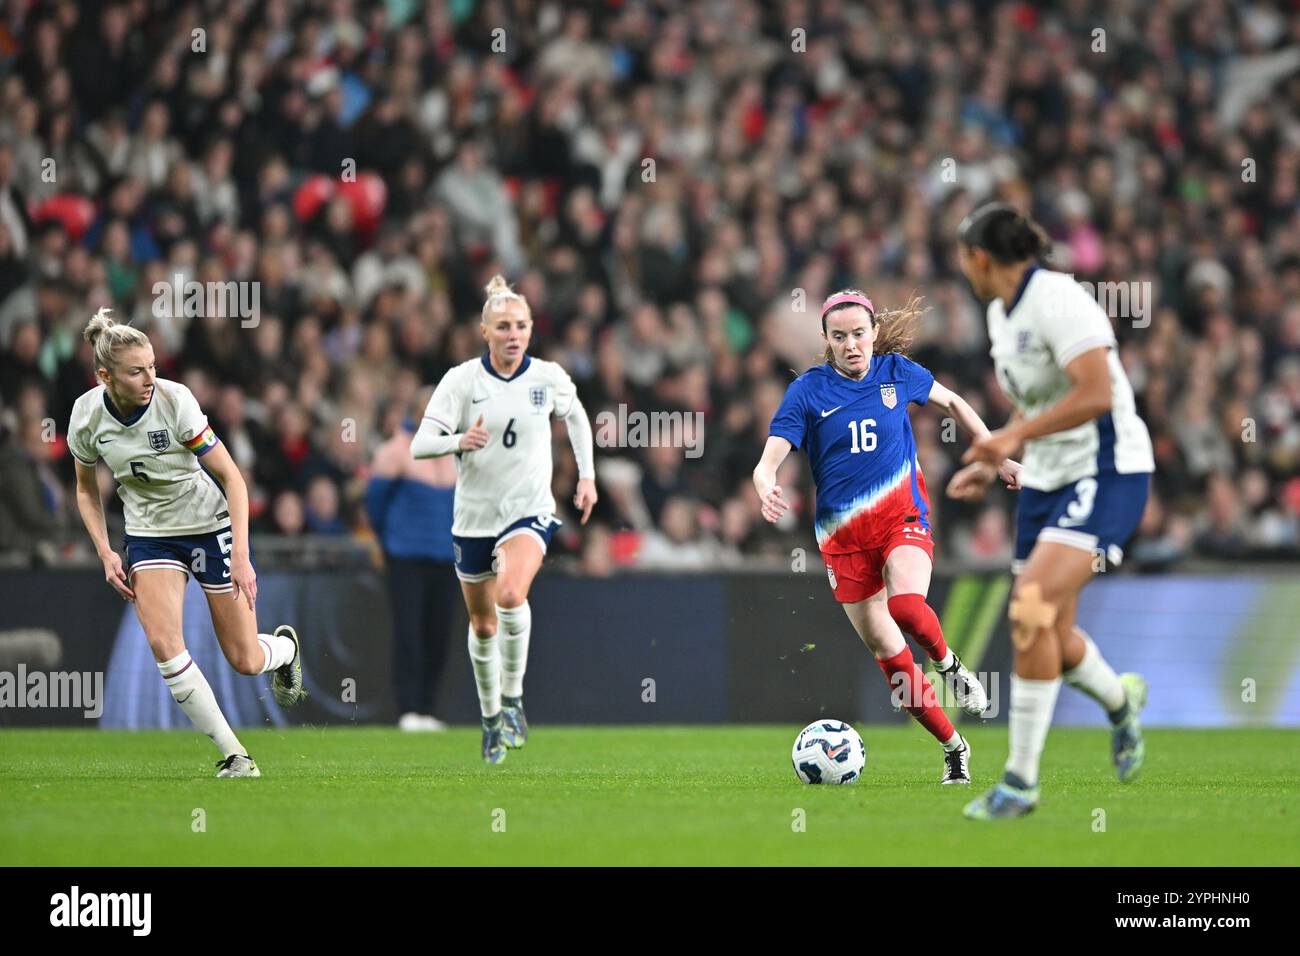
510 477
154 455
1052 323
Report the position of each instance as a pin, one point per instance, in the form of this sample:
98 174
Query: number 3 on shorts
1079 510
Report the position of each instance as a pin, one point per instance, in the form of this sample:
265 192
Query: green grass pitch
631 795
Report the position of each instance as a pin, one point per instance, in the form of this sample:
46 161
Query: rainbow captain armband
203 442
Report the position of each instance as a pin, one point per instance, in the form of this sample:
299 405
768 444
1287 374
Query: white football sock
277 651
1032 703
486 657
190 689
944 664
953 743
515 628
1096 678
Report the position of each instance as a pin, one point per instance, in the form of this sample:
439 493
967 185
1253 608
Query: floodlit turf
612 795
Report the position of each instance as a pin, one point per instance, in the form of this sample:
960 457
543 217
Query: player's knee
884 644
165 643
483 625
1033 605
881 633
1024 587
510 596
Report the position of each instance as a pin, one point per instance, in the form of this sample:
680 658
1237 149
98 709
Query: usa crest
888 396
830 574
159 440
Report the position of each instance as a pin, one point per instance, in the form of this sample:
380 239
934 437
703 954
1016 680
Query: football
828 751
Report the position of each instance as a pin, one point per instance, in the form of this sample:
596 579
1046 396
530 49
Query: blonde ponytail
498 291
106 337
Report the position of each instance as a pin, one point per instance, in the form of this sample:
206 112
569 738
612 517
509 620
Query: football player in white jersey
1085 477
152 433
494 414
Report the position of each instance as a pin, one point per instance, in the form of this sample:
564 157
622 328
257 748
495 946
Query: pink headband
847 297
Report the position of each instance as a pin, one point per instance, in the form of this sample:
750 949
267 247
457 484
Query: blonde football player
494 414
179 518
1084 482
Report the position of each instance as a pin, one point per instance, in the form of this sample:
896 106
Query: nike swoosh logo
187 697
832 411
836 751
104 441
475 401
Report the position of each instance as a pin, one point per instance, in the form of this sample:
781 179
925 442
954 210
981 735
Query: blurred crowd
675 186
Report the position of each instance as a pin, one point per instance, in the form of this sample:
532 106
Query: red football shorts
857 575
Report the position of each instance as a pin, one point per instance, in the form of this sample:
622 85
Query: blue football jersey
859 441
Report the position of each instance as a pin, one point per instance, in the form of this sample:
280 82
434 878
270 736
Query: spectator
409 504
31 496
287 515
682 545
671 185
322 507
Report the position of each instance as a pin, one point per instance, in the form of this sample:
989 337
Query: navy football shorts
205 556
1097 514
476 557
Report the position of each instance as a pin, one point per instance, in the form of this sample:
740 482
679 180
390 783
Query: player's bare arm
1088 399
972 481
91 507
224 469
769 492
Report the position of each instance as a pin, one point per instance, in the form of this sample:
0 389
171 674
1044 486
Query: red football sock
918 696
915 617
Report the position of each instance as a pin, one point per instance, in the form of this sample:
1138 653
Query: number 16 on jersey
863 438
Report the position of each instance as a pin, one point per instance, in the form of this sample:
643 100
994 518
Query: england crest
537 395
888 396
159 440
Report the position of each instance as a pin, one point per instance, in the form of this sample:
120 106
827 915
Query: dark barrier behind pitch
1220 650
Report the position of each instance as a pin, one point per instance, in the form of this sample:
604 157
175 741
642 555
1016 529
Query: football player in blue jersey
872 518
